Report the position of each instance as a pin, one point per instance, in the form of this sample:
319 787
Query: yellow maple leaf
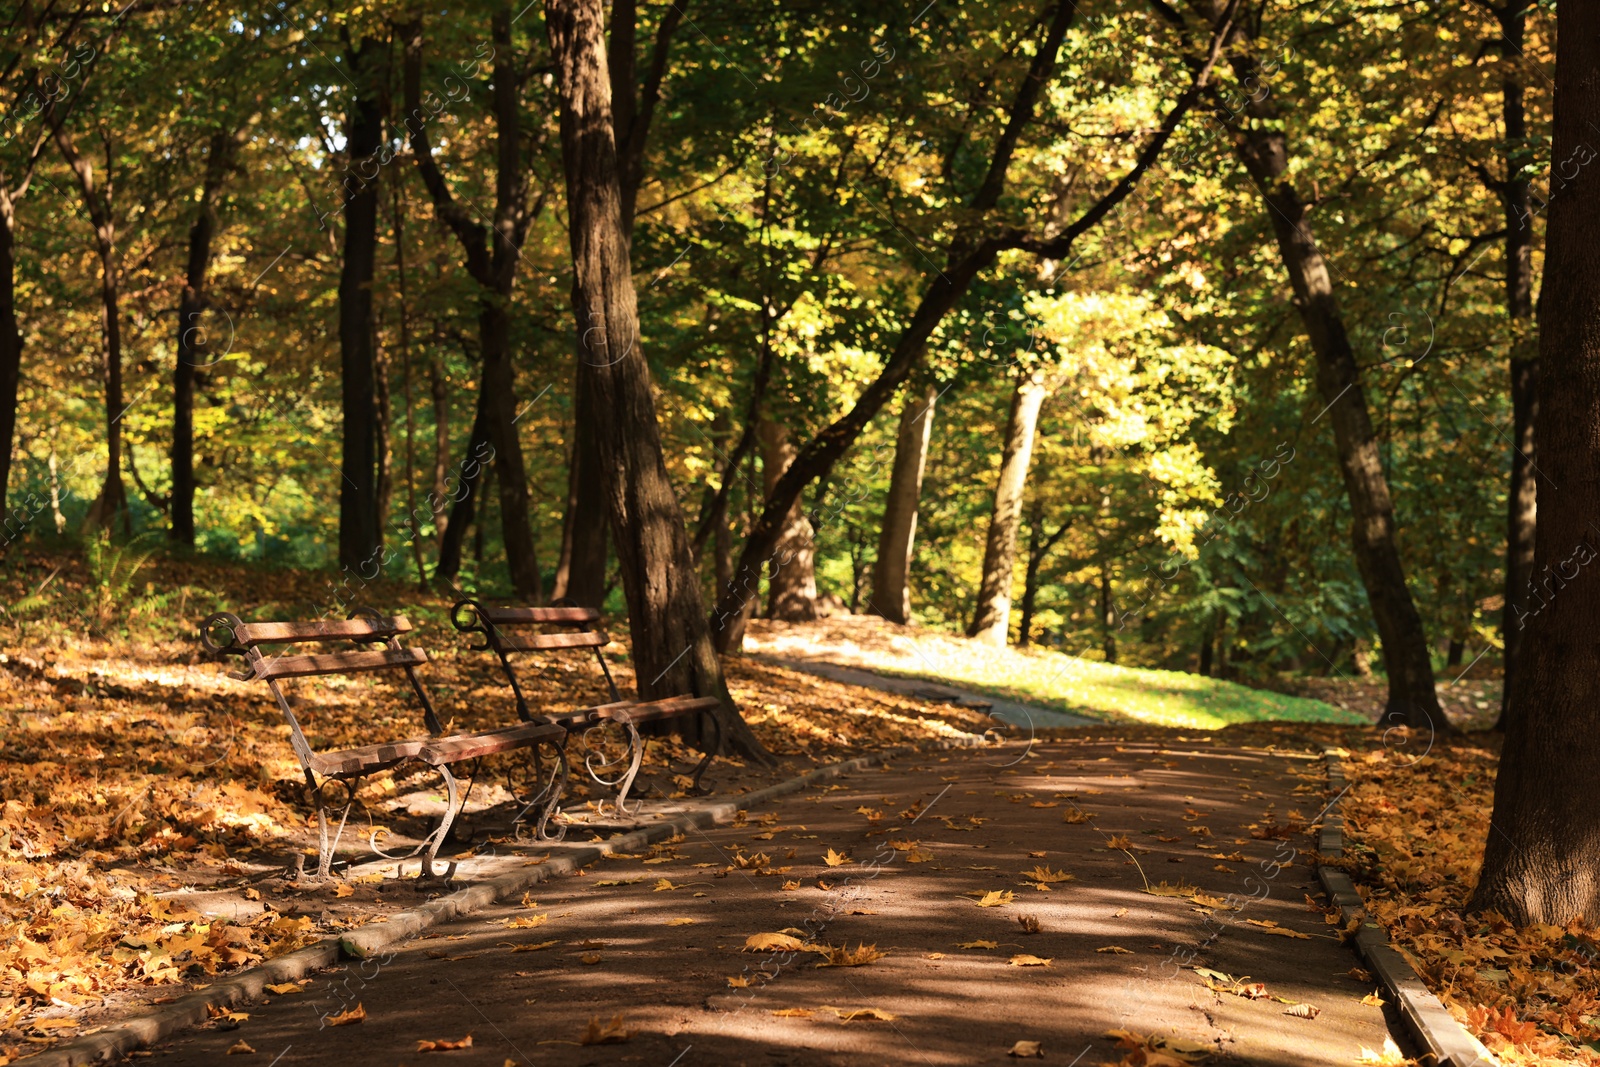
995 898
834 859
772 943
1026 960
977 944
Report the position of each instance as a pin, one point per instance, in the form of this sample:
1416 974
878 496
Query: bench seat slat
653 710
338 663
366 759
251 634
516 616
538 642
470 746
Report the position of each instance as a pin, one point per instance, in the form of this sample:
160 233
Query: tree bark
1039 546
492 263
1412 699
439 393
1108 616
1522 494
891 571
10 356
463 509
672 649
792 581
1542 859
991 622
113 499
585 547
360 528
192 348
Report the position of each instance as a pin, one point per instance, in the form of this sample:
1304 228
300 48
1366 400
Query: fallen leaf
977 944
842 957
834 859
1076 815
1119 841
240 1048
851 1014
527 922
793 1013
995 898
1116 950
772 943
444 1045
1042 873
1024 959
1026 1049
591 958
611 1033
535 948
342 889
737 982
1373 1000
790 885
1302 1011
355 1015
1029 923
1162 889
283 989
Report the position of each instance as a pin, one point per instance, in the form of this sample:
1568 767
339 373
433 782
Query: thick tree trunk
1542 862
360 531
672 649
584 547
1522 496
499 409
10 359
891 571
991 621
792 581
192 346
1412 698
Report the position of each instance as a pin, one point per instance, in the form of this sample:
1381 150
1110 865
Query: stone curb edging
365 941
1444 1041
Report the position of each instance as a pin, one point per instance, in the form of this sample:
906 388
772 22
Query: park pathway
1066 834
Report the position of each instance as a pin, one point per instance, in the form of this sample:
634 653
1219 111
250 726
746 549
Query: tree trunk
1522 497
1039 546
492 263
192 350
1108 616
1412 698
891 571
584 546
1207 649
112 500
792 581
991 622
10 356
360 531
463 509
672 649
1542 862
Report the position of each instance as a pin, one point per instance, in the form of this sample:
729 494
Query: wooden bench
512 630
347 767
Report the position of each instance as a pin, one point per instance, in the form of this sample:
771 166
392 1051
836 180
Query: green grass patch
1111 693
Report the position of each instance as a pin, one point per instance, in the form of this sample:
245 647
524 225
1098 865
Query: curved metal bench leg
325 846
552 804
436 839
636 747
696 789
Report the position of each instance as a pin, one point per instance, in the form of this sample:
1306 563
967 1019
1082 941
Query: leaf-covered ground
1415 828
134 767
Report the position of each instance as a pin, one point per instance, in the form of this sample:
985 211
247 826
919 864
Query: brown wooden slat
537 642
470 746
668 707
338 663
366 759
516 616
269 633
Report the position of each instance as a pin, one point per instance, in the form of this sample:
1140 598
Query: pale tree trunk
1412 698
672 649
113 500
991 622
1522 495
1542 860
792 580
891 571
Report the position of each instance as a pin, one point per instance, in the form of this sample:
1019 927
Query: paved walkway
924 843
1025 716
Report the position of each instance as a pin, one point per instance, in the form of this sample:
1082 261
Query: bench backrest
508 630
365 626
